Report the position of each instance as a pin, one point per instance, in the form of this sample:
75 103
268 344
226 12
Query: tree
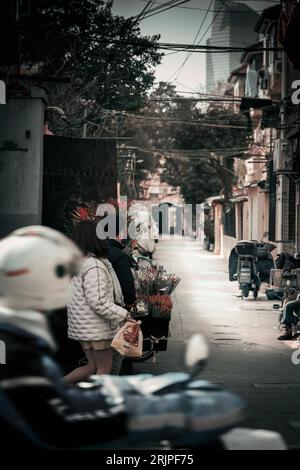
147 136
109 63
206 165
188 151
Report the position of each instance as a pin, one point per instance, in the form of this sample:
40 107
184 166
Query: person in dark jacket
121 263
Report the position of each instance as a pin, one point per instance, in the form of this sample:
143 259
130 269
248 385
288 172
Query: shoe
287 334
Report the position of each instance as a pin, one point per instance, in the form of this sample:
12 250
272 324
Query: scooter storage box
261 252
246 248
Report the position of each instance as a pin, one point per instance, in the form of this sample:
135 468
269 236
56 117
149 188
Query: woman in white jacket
96 307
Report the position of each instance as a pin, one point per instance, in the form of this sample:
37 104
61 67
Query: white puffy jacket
93 314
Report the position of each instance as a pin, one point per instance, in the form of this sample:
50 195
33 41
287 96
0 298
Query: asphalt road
245 356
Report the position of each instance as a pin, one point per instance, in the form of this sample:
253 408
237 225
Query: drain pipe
281 216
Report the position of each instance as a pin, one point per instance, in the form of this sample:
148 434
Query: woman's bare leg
82 373
103 361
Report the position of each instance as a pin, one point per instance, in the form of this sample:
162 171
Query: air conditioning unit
280 155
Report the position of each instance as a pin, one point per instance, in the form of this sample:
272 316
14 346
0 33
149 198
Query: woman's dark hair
85 237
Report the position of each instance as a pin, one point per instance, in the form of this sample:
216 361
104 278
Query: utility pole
17 19
84 129
282 188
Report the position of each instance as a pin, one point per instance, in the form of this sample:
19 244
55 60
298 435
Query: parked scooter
250 264
194 413
187 384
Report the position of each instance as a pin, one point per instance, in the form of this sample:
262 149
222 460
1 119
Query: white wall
21 172
228 244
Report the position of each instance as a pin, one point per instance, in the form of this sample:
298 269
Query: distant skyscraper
233 26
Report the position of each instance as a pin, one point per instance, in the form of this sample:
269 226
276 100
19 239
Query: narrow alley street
120 121
245 356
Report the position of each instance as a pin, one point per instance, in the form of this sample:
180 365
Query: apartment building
232 27
260 196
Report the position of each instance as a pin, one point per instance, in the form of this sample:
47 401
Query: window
229 222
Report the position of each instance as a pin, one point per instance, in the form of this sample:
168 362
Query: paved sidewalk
245 355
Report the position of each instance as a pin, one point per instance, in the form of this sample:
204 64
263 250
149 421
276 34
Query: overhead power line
194 151
180 68
161 5
203 35
186 47
268 1
158 10
223 149
228 11
200 156
166 100
181 121
213 20
145 10
175 46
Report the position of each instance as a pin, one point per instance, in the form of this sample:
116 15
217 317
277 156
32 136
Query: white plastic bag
128 341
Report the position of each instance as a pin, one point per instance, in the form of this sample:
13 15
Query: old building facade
266 198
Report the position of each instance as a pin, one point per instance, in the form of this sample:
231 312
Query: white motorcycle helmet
36 266
140 228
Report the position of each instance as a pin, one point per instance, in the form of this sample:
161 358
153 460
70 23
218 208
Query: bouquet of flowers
145 280
154 288
165 281
159 306
153 279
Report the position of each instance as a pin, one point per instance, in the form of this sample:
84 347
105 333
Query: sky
180 25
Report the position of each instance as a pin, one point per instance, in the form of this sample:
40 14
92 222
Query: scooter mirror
196 352
276 306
